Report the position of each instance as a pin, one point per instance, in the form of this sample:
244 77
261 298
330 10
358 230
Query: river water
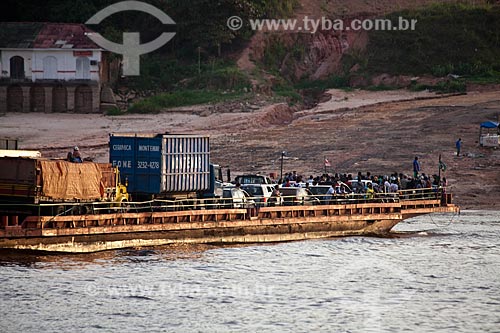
438 274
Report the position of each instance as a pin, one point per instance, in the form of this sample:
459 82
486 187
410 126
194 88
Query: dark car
298 196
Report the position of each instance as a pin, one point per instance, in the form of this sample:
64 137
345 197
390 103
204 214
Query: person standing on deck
416 167
275 199
75 156
458 145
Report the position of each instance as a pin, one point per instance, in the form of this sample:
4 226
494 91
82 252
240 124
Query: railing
434 193
12 214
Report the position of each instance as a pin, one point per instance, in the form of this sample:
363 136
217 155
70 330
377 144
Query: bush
329 83
114 112
458 39
453 86
228 78
158 102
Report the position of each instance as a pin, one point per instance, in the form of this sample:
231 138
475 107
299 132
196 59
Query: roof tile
45 35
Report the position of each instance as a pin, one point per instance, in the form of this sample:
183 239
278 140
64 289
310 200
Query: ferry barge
157 223
59 206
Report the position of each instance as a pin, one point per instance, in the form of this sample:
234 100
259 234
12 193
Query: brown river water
439 273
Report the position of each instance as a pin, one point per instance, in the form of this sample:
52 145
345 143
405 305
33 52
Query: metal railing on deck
60 209
421 194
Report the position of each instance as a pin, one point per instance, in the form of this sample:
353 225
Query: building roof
40 35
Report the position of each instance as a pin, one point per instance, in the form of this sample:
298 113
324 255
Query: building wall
43 96
64 92
66 62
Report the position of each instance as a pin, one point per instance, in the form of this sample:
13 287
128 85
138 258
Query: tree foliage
199 23
456 39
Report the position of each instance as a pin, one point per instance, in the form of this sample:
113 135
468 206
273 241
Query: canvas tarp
64 180
489 124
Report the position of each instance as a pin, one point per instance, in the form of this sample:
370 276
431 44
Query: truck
165 166
33 181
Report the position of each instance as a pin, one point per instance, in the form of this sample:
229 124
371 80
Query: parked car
259 192
320 192
233 197
298 196
341 189
353 183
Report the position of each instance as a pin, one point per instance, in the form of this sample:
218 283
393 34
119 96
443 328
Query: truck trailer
33 181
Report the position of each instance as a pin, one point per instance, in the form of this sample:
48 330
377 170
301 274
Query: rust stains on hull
91 233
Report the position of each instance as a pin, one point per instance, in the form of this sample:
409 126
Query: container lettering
148 165
149 148
122 147
122 164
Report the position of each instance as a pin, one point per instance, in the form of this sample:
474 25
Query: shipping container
161 164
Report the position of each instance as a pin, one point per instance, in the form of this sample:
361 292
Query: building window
50 68
83 68
16 67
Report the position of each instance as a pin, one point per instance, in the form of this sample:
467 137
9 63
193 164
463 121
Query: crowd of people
368 182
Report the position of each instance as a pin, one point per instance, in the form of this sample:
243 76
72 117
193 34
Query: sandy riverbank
379 132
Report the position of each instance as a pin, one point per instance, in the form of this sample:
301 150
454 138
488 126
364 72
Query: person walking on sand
458 145
416 167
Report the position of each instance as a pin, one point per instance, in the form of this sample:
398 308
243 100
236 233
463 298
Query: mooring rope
447 224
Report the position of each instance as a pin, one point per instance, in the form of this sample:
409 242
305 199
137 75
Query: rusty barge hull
99 232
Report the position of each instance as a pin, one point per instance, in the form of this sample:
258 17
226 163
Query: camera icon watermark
131 49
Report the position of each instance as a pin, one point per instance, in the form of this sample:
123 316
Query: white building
50 67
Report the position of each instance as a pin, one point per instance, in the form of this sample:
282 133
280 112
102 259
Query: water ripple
429 276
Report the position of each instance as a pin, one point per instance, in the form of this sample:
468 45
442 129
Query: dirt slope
351 131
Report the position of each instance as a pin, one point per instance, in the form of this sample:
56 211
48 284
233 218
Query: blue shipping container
155 164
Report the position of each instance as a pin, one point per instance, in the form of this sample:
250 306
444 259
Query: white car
259 192
234 197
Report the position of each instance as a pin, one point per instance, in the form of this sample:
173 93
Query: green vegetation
329 83
188 85
199 23
194 67
453 86
492 77
278 53
381 87
161 73
181 98
459 39
114 112
289 93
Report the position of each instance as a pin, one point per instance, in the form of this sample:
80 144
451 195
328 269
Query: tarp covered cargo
65 181
37 180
